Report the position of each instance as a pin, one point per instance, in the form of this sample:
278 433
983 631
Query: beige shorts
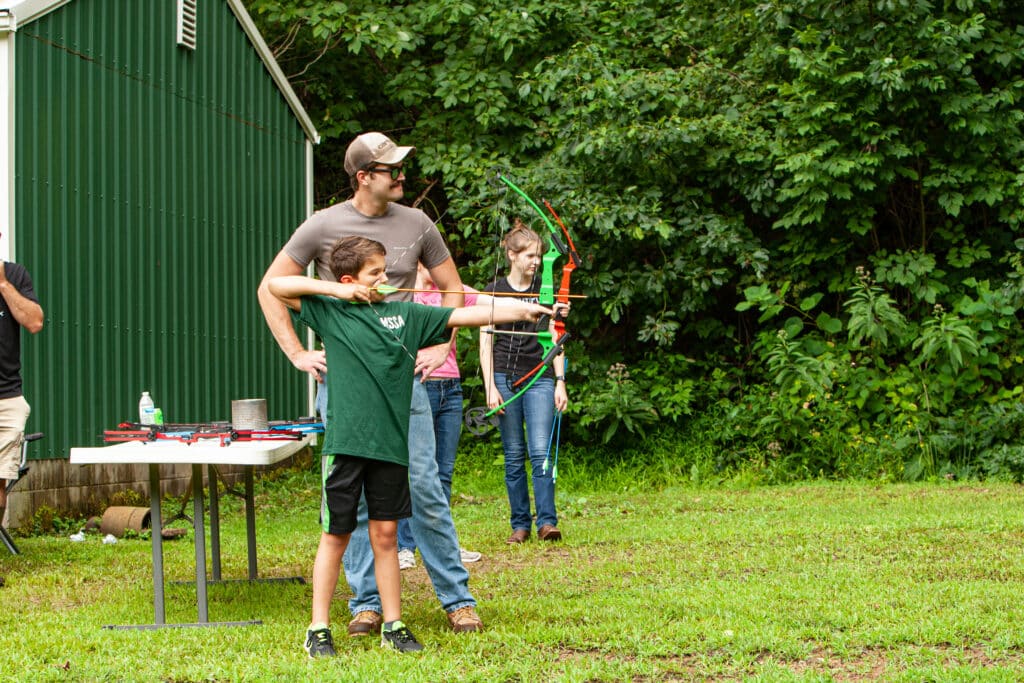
13 416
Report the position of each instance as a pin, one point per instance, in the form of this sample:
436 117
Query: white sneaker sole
406 560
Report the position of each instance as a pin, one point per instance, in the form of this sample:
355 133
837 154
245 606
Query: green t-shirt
371 358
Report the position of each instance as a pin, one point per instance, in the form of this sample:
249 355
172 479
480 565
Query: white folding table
246 454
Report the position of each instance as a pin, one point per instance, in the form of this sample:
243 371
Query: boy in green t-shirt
371 357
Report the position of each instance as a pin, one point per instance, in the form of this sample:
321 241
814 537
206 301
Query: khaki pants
13 416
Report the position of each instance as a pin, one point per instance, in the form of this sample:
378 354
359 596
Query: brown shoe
465 620
549 532
365 623
518 536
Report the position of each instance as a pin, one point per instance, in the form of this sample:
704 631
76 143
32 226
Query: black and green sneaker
399 637
319 643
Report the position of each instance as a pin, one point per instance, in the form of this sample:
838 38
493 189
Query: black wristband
560 378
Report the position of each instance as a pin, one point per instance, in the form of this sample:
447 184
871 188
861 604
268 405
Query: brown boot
465 620
518 536
365 623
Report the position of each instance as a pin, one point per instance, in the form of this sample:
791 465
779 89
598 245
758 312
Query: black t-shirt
516 354
10 332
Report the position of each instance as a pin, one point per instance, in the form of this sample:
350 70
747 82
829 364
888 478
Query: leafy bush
792 215
128 497
46 520
926 397
625 403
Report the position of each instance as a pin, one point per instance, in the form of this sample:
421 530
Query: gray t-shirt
408 235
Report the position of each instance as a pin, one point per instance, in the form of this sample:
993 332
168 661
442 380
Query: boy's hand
352 291
534 312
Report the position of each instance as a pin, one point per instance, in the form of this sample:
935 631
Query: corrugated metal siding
153 186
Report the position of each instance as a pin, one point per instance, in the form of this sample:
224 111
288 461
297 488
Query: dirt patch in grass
864 664
867 664
875 663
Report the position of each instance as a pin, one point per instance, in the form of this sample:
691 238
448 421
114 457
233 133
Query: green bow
551 345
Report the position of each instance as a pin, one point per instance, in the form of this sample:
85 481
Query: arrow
388 289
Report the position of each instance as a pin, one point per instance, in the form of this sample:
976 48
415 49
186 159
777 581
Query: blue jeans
446 408
431 523
535 408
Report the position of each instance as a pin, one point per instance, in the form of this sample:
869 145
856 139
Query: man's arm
280 322
446 276
28 313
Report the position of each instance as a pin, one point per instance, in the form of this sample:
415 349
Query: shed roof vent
187 23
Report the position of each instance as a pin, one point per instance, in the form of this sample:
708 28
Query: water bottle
146 409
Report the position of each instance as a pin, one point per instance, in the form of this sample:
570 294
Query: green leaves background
709 157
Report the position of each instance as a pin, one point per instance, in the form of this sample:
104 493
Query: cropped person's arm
487 366
28 313
479 316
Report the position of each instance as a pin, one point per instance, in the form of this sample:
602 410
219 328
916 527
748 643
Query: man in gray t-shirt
375 167
408 235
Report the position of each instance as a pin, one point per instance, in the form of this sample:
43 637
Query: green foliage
874 317
847 174
938 398
946 338
620 405
47 520
626 402
128 497
1005 462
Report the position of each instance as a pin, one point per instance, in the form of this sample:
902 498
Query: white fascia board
25 11
275 70
6 145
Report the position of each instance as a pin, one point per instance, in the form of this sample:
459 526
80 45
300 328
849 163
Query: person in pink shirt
444 387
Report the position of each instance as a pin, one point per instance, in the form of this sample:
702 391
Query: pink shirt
450 369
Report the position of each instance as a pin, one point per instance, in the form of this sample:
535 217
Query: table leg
156 529
214 523
250 522
200 536
8 541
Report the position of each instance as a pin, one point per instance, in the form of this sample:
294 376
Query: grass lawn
816 582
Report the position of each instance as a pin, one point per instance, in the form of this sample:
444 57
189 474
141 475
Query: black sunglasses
395 171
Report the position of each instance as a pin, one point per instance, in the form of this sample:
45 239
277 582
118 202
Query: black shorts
346 477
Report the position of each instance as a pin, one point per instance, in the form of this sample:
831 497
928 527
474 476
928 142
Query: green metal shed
156 161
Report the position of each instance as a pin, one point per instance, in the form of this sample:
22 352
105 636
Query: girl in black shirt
507 352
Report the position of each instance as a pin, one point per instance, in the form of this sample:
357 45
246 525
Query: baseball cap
371 148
